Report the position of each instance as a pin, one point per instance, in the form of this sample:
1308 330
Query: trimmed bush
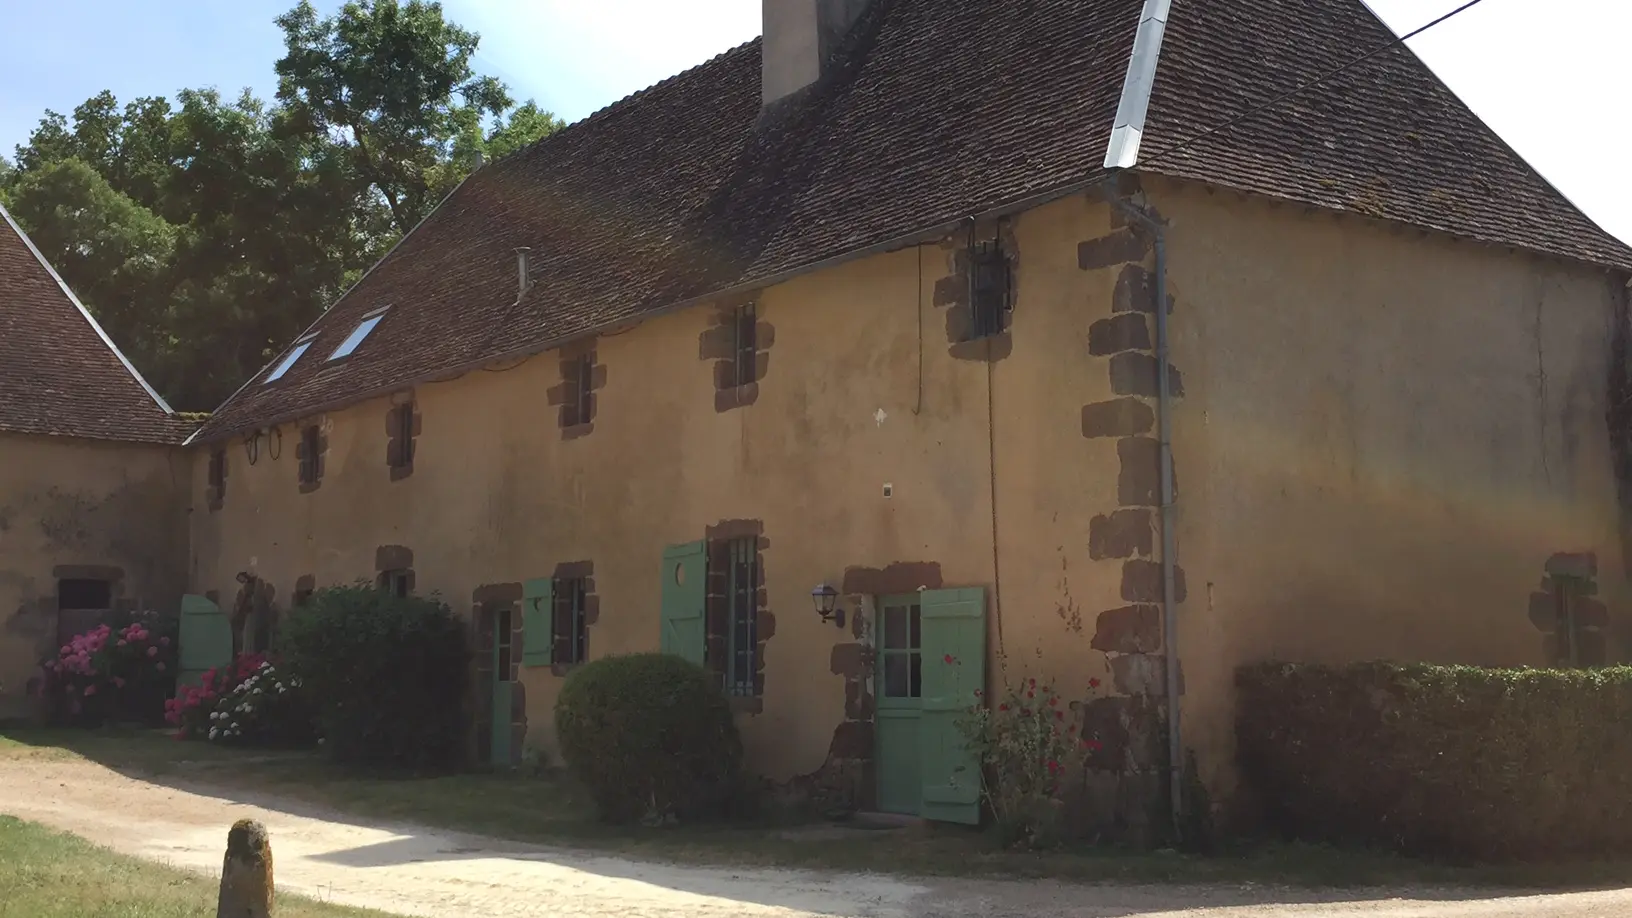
651 736
1457 761
386 675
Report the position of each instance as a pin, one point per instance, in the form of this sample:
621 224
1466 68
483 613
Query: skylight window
357 335
288 361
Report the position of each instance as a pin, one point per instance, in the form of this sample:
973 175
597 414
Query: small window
310 461
503 644
84 594
218 476
745 347
990 289
585 387
355 339
288 361
567 631
742 635
395 582
402 436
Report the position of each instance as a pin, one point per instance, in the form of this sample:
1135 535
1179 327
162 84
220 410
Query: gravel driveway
412 870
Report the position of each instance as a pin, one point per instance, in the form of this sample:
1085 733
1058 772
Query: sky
1548 79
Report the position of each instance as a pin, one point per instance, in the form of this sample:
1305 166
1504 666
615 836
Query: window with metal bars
745 348
402 436
568 637
742 619
582 387
990 289
310 466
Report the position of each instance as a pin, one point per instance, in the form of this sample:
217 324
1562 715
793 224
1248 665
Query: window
990 289
744 348
742 620
355 339
397 583
218 478
503 644
567 631
901 655
580 383
401 447
311 467
288 361
84 594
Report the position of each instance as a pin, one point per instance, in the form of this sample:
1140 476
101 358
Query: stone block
1575 565
1122 534
1134 373
1142 581
1125 331
1119 417
1130 629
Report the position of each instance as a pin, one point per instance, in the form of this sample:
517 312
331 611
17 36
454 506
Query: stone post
246 873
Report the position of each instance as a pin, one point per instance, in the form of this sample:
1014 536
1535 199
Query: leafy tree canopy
205 233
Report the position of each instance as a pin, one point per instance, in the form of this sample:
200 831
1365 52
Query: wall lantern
826 600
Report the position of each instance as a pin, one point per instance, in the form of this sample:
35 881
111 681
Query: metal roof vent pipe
523 281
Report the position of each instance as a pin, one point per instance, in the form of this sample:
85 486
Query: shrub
1026 748
386 674
192 708
651 736
111 672
267 709
1495 764
249 702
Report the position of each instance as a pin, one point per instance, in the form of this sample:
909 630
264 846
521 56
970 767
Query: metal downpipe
1164 439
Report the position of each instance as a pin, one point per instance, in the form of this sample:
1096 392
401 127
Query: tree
205 233
118 251
395 82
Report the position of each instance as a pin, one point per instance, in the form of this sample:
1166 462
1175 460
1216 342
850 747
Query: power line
1320 79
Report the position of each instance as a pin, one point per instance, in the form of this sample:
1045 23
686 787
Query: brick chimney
800 36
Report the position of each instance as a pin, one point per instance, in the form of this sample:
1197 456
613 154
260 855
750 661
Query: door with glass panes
931 667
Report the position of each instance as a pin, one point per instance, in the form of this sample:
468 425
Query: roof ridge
84 313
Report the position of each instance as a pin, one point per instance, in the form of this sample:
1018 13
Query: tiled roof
60 375
940 109
1386 138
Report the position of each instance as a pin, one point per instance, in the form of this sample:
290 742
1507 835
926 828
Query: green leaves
206 232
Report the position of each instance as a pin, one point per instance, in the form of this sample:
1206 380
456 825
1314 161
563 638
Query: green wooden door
205 641
500 753
899 686
954 669
685 589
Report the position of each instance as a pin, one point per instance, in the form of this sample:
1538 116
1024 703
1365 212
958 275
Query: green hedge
1456 761
388 676
652 737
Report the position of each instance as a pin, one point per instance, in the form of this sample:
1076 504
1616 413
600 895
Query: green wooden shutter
537 641
685 589
954 627
205 641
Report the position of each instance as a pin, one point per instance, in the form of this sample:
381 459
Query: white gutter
1129 127
96 326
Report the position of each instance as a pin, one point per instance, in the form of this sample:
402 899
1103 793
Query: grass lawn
46 874
548 808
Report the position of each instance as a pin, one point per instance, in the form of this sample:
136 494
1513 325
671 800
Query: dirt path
411 870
